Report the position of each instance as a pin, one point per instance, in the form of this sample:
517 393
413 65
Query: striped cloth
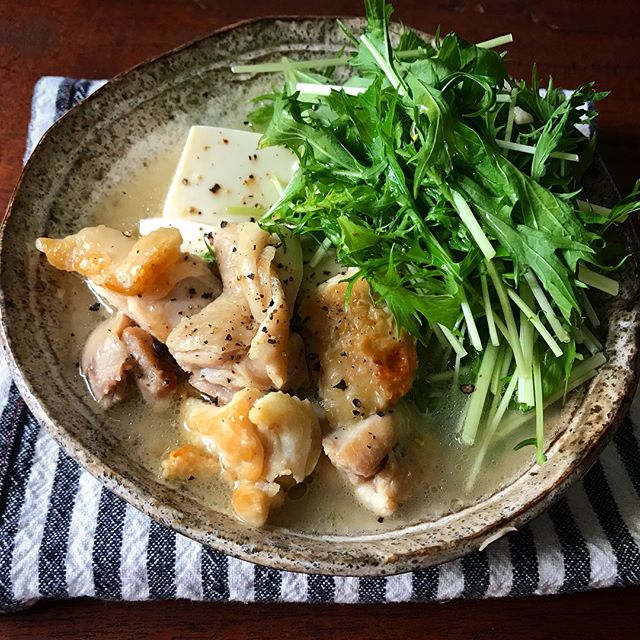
63 535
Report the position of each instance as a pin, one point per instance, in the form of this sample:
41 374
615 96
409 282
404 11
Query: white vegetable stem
591 312
474 336
527 148
320 253
271 67
510 115
453 341
496 42
510 331
492 426
478 397
466 215
387 69
525 384
545 306
582 372
535 321
597 280
493 334
539 405
316 89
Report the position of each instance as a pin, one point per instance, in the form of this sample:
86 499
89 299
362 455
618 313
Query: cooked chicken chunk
361 448
188 462
148 279
242 338
363 368
193 288
117 262
363 365
104 361
391 485
290 434
153 373
114 351
261 441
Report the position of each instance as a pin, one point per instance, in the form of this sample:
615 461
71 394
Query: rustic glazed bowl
141 113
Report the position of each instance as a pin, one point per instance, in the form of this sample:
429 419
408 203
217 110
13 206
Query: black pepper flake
342 385
343 354
251 276
380 414
467 388
207 295
272 341
94 307
215 188
380 519
264 330
356 402
357 413
229 337
192 291
223 224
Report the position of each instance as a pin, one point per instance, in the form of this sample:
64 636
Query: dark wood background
575 41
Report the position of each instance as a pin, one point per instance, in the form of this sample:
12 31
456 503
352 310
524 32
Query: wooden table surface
574 41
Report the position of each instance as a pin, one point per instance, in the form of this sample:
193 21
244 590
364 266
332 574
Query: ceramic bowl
140 113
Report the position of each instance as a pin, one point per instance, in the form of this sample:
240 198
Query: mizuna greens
455 191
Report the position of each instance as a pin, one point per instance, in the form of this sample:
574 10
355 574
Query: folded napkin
64 535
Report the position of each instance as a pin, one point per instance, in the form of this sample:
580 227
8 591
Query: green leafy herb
431 169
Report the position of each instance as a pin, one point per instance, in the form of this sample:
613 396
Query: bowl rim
287 559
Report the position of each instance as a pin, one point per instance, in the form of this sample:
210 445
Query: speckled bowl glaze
108 134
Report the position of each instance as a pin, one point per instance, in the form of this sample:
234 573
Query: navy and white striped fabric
63 535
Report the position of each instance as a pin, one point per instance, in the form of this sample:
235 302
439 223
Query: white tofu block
222 175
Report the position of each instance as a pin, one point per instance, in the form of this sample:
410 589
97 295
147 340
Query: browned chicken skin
261 442
363 367
148 279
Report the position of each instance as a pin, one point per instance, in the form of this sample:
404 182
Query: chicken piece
193 288
290 433
187 462
115 261
361 448
154 375
261 441
148 279
252 502
104 361
227 433
391 485
242 338
363 365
